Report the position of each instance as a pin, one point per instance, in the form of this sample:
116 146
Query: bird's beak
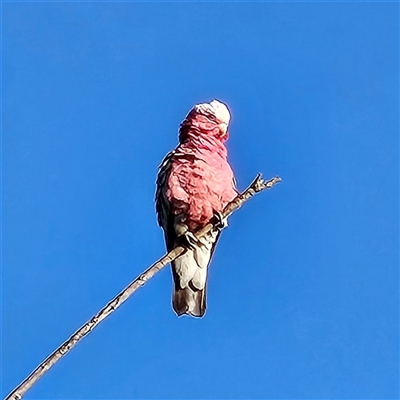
224 129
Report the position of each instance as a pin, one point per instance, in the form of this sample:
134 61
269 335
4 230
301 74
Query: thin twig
256 186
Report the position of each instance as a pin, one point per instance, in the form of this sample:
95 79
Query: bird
194 183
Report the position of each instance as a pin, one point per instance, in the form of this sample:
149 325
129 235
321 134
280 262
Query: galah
194 184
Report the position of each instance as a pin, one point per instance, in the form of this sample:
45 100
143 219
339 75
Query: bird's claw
221 221
191 240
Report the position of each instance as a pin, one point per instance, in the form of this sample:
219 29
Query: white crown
216 108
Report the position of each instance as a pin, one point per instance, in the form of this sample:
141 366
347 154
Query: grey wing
163 209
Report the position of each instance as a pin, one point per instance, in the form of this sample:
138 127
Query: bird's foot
221 221
190 240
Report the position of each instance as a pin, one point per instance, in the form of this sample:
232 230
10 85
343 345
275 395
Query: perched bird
194 183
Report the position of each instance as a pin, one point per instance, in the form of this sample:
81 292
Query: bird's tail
189 301
190 277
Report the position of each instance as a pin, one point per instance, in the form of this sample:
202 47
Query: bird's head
212 118
216 111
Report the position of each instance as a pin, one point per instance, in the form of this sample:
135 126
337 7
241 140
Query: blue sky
303 290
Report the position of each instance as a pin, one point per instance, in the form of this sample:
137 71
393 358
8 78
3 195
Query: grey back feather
163 209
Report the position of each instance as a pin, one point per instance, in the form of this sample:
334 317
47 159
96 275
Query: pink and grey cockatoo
195 182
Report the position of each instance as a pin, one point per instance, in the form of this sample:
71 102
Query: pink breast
197 187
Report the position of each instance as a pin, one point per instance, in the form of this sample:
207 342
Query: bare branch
256 186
